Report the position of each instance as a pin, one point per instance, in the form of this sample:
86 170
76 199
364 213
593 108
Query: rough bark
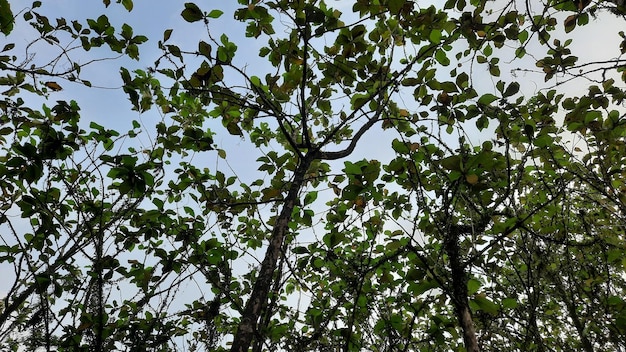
459 289
247 328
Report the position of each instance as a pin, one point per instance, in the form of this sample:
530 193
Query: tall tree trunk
247 328
459 288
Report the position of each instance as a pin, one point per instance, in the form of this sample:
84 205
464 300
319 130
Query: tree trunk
459 289
247 328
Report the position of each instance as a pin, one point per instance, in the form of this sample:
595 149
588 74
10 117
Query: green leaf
221 153
396 5
331 240
423 286
462 80
358 100
5 131
300 250
215 13
96 126
310 197
415 274
487 99
410 81
452 163
234 129
511 90
442 57
351 192
509 303
175 50
488 50
352 169
192 12
128 5
6 17
494 70
132 51
482 122
435 36
204 48
486 305
166 35
523 36
583 18
400 146
472 286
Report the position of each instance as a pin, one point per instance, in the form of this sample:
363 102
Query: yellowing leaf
570 23
270 193
472 179
359 202
54 86
444 98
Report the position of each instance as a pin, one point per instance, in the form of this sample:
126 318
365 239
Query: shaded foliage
397 190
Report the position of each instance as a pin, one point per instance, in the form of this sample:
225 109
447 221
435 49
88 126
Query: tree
493 219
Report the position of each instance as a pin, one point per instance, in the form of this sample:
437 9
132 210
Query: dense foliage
368 175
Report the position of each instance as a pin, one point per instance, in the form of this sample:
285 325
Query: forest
313 175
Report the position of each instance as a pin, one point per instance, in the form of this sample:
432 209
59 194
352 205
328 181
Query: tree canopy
315 175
